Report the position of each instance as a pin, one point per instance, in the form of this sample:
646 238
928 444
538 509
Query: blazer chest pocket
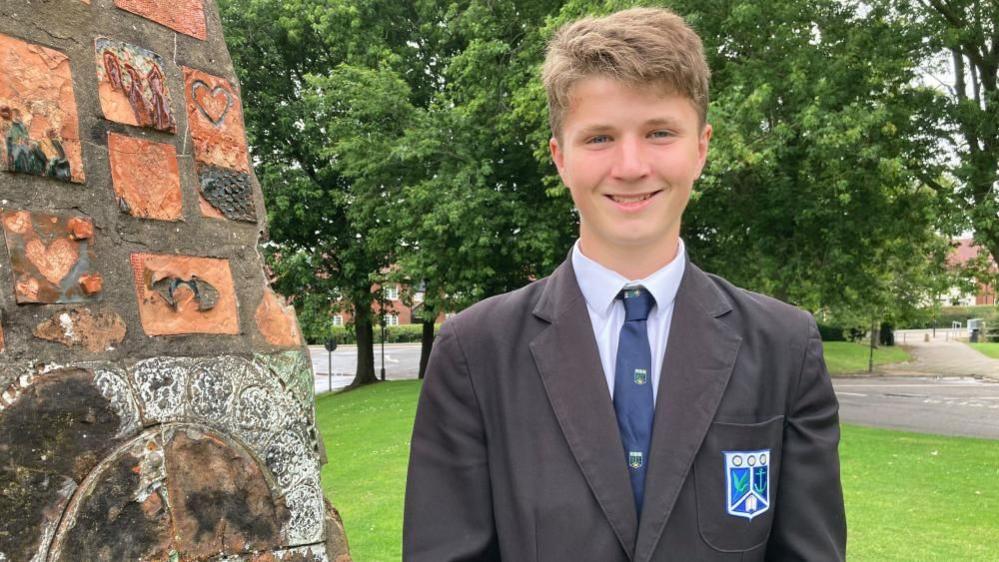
735 480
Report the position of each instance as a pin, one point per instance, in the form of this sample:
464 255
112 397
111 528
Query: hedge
403 333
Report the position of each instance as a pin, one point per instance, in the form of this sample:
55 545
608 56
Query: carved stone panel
132 86
185 16
52 257
185 295
145 177
39 131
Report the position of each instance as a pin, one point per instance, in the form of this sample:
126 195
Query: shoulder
762 313
503 312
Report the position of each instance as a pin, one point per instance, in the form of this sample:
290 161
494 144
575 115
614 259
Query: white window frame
391 292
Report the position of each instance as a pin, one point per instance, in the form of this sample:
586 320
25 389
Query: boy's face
629 156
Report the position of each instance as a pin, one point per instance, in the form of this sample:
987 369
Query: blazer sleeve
810 520
448 514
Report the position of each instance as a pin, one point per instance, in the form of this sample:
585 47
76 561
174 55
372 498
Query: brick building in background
397 312
964 252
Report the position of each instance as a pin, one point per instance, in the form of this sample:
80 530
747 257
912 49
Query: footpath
941 355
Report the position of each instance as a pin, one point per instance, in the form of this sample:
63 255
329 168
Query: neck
632 263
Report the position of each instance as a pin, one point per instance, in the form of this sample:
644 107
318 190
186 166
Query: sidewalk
942 355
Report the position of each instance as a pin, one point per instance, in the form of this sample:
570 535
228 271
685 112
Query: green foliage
407 142
908 496
403 333
808 194
962 45
949 314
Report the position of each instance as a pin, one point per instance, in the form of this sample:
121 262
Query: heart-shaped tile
213 103
53 261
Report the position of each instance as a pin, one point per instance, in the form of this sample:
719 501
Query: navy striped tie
633 387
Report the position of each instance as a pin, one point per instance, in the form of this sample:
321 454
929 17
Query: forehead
612 102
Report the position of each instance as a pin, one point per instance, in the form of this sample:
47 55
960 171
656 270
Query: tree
381 134
811 192
968 32
328 242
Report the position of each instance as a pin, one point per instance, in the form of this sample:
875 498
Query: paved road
943 405
927 395
402 361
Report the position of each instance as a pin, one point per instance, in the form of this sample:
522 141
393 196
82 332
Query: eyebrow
663 121
655 122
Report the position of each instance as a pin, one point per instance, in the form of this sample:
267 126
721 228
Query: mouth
633 202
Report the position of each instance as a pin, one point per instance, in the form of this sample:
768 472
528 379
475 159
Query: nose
631 161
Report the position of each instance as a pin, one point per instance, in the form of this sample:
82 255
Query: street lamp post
330 348
383 347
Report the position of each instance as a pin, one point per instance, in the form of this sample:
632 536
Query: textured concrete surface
168 412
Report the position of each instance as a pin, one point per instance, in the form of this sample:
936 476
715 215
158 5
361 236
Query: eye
661 134
598 139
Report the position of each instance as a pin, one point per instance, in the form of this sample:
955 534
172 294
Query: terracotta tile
185 16
48 261
145 177
132 87
185 295
82 328
92 284
226 194
276 321
39 131
215 117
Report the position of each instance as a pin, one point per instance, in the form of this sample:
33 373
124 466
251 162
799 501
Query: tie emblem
641 376
636 459
632 293
747 482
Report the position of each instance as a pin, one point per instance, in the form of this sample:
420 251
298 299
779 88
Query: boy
629 406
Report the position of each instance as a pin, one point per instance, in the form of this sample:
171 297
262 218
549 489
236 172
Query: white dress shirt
600 287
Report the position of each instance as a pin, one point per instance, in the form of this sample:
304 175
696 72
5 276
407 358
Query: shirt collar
600 285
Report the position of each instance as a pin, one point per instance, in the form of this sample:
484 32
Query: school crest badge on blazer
747 482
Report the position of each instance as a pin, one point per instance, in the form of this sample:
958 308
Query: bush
403 333
832 333
963 313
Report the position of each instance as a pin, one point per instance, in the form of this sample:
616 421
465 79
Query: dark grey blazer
516 454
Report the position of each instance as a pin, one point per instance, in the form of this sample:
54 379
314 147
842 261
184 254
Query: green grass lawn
909 497
850 357
990 349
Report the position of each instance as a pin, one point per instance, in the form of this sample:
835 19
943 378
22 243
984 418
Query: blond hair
640 47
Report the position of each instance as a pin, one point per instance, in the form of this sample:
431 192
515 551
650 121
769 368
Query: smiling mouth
632 198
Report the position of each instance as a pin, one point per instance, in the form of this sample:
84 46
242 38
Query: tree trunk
365 348
426 345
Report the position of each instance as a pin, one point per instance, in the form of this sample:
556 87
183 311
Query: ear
557 155
702 146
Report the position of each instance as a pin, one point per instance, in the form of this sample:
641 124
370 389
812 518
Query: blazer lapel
700 355
567 358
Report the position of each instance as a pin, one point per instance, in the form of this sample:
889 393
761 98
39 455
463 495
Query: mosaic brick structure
156 397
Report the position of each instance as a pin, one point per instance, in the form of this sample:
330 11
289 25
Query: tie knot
638 302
